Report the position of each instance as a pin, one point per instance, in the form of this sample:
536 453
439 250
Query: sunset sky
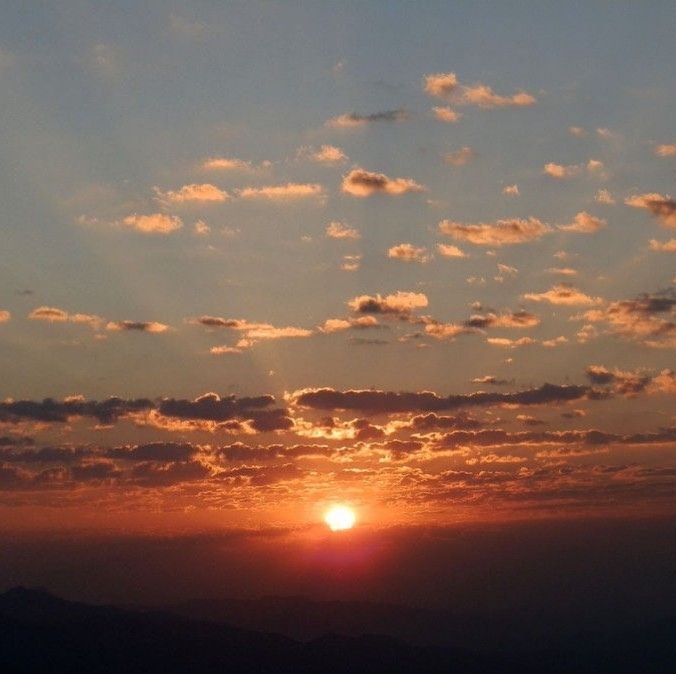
258 258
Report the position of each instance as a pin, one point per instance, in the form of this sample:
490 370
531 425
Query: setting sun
340 518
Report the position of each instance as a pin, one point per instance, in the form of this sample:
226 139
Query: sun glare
340 518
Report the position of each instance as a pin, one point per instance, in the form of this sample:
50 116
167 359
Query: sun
340 517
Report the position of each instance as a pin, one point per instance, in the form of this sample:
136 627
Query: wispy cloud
339 230
563 294
353 120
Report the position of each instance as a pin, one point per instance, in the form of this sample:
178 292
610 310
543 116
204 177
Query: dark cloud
49 410
387 402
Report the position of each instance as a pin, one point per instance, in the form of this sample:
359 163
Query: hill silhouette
40 632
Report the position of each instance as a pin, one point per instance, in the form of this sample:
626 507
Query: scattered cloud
584 223
560 171
361 183
447 250
500 233
408 253
4 316
326 154
56 315
350 262
136 326
201 193
662 207
663 246
666 150
156 223
447 87
604 197
358 323
563 294
398 304
288 192
562 271
577 131
511 190
339 230
460 157
353 120
446 114
507 343
232 164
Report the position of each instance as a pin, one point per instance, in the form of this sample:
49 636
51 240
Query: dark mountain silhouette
42 633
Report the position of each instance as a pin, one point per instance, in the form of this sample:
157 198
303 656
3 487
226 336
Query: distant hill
43 633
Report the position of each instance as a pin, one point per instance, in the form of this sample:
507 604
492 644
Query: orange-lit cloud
56 315
584 223
156 223
661 206
666 150
288 192
564 294
339 230
511 190
446 114
460 157
361 183
448 250
560 171
408 253
326 154
194 193
500 233
446 86
398 304
663 246
4 316
136 326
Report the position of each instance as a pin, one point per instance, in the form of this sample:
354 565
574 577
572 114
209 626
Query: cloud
648 318
446 331
441 85
408 253
507 343
500 233
156 223
288 192
341 324
361 183
450 251
663 246
518 319
511 190
584 223
200 193
577 131
563 294
353 120
253 332
136 326
661 206
562 271
604 197
622 382
447 115
382 402
398 304
350 262
560 171
493 381
231 164
5 316
460 157
446 86
201 228
326 154
339 230
56 315
666 150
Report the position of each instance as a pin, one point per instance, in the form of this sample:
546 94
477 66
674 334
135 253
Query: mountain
43 633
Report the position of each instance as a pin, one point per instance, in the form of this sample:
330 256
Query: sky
258 258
